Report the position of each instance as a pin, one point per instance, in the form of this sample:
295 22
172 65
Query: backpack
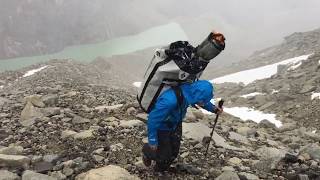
170 67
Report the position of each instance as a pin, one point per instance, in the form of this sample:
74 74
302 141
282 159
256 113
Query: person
165 121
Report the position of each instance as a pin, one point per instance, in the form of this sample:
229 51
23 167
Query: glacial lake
157 36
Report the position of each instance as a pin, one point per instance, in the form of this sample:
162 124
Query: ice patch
248 76
31 72
251 94
137 84
245 114
315 95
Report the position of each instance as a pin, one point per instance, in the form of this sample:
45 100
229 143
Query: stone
86 134
198 114
131 111
14 161
190 117
110 172
269 158
188 168
58 175
67 171
98 158
42 167
246 131
228 168
67 133
228 175
312 149
108 108
234 161
12 150
287 127
238 137
7 175
30 112
307 88
303 177
30 175
79 120
51 111
198 131
247 176
50 99
266 124
35 100
51 158
213 172
131 123
142 116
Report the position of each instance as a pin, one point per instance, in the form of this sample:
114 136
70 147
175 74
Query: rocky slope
68 122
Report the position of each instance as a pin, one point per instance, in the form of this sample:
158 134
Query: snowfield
315 95
31 72
251 94
249 76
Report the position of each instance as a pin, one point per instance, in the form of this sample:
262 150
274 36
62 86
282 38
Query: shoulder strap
179 95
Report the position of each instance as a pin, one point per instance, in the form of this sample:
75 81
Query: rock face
109 172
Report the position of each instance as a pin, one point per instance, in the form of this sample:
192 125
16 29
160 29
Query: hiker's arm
156 116
209 107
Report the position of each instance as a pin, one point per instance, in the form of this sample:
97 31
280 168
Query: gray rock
50 99
313 150
12 150
51 158
67 171
98 158
79 120
58 175
51 111
188 168
269 158
86 134
228 175
234 161
14 161
30 175
108 108
116 147
42 167
239 138
67 133
198 131
30 112
7 175
110 172
35 100
308 88
131 111
266 124
248 176
246 131
303 177
131 123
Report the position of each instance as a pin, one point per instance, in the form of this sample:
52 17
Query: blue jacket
166 108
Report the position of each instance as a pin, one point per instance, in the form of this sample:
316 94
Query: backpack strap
180 99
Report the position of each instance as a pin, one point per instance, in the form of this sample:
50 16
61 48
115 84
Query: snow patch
137 84
319 61
248 76
315 95
245 114
295 66
1 87
274 91
251 94
31 72
314 131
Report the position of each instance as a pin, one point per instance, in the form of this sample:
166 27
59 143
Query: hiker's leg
164 151
148 152
176 141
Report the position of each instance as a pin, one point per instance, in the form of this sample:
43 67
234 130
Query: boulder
131 123
7 175
14 161
234 161
30 175
266 124
269 158
110 172
142 116
50 100
228 175
67 133
198 131
12 150
86 134
308 88
108 108
312 149
238 137
35 100
51 111
246 131
29 113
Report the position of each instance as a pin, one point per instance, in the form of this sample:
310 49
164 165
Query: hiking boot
146 161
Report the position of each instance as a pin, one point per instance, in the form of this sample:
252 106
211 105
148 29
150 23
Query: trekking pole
220 104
